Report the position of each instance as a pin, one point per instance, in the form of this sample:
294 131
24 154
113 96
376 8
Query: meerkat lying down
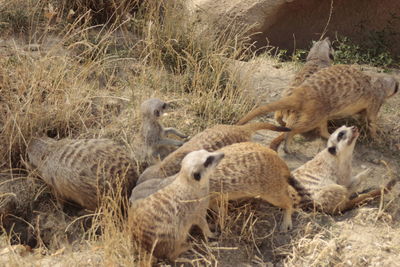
83 170
160 222
210 139
248 170
335 92
153 134
328 179
319 57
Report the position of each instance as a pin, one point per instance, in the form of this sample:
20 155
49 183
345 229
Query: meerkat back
253 170
83 170
210 139
160 222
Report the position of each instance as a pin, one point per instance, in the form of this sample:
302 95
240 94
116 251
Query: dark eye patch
209 160
331 56
396 88
341 135
157 113
164 106
197 176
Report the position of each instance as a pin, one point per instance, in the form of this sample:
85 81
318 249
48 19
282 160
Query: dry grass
84 75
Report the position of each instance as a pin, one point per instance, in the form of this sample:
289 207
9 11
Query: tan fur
319 57
327 177
334 92
161 222
251 170
248 170
83 170
153 134
210 139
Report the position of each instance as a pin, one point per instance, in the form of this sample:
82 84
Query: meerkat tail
289 103
265 126
363 198
302 192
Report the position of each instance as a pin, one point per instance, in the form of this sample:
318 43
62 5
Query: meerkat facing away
160 223
83 170
153 134
248 170
335 92
210 139
327 177
319 57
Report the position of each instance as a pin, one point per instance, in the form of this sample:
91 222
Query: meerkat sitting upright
83 170
160 223
248 170
153 134
319 57
327 177
210 139
335 92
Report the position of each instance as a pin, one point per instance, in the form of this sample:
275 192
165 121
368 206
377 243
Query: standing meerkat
153 134
335 92
83 170
160 223
319 57
328 179
210 139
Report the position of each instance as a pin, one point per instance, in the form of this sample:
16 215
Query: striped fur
83 170
210 139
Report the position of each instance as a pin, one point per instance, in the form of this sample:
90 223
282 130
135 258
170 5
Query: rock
293 24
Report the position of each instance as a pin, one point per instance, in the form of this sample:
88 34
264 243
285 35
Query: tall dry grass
80 70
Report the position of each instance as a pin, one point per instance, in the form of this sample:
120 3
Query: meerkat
83 170
153 134
161 222
334 92
328 179
210 139
319 57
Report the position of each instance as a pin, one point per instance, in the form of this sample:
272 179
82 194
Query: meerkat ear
332 150
208 161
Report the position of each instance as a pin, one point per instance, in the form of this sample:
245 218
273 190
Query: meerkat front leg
174 131
205 229
356 180
372 115
170 142
323 130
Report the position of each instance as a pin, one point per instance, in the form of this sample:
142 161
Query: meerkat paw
286 226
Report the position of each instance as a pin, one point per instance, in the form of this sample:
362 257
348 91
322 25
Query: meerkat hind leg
356 180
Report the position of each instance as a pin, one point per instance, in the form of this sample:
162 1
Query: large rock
294 23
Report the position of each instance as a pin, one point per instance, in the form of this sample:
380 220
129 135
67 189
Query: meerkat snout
342 139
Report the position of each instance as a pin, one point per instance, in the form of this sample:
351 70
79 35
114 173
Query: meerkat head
321 50
153 108
37 150
197 165
386 83
343 140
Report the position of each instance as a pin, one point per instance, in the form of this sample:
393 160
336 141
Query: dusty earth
367 236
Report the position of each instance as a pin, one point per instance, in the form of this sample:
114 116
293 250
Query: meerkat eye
340 135
164 106
197 176
209 160
331 56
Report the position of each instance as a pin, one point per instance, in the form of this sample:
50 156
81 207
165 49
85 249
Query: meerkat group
174 194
